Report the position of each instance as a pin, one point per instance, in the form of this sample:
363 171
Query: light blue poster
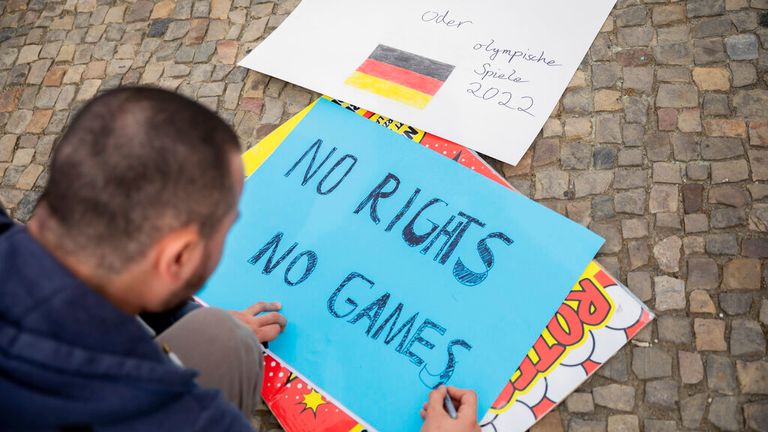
398 269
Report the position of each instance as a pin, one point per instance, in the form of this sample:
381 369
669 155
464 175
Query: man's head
143 187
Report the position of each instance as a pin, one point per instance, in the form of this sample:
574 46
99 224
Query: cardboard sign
485 74
396 267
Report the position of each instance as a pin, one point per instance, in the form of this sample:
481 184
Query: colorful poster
399 257
485 74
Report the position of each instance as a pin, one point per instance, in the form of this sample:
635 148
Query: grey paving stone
721 375
756 414
691 367
743 74
727 217
747 338
575 155
729 171
624 423
551 184
651 362
602 208
680 53
714 26
715 104
692 410
663 198
722 244
677 96
706 51
699 8
579 425
735 303
725 413
662 393
615 396
742 46
616 368
667 253
715 148
729 195
653 425
580 402
607 128
751 103
670 293
675 330
753 376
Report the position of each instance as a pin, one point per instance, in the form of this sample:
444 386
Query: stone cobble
659 144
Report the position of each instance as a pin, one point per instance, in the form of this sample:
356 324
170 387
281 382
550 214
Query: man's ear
178 254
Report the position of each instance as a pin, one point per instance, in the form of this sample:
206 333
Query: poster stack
402 260
553 368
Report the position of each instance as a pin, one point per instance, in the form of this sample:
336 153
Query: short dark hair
134 164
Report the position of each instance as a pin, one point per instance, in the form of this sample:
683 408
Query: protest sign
396 269
485 74
553 368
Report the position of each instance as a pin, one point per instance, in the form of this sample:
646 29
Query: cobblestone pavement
659 144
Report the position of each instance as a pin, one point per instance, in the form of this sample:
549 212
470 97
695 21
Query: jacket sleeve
220 415
200 410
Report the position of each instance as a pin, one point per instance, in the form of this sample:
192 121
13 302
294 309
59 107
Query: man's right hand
262 318
436 419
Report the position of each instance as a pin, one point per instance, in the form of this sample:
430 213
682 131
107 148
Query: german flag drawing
399 75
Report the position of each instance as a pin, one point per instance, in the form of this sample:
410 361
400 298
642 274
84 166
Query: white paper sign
482 73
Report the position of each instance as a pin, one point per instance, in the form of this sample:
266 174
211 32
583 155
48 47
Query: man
143 188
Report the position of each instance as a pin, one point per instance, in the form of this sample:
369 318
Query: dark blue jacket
70 360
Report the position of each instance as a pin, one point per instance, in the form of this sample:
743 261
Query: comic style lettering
593 305
586 307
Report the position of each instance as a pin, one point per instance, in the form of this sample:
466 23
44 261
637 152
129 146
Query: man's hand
262 318
436 419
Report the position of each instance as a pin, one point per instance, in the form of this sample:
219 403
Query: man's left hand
263 319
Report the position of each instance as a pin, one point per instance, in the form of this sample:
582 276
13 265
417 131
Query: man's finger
467 401
236 314
255 308
271 318
436 399
245 319
260 307
269 333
